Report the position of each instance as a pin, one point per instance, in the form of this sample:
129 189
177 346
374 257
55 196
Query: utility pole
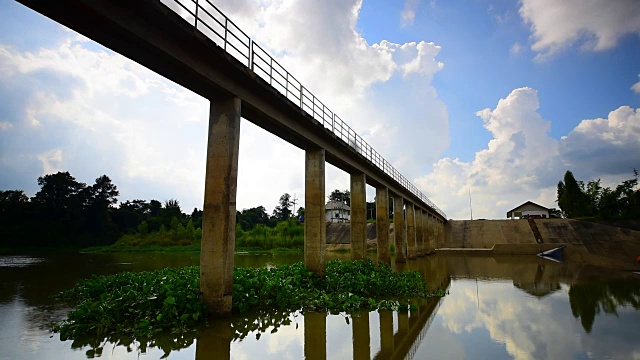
294 202
470 208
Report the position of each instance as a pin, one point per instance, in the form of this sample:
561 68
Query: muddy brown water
498 307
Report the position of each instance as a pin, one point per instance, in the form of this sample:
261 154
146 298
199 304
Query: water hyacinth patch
146 303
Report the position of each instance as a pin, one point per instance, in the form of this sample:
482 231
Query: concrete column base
315 236
398 225
219 218
382 225
358 225
411 231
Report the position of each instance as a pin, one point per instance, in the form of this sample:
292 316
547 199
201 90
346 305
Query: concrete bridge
195 45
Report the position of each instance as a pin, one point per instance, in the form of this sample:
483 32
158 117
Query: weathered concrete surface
219 217
400 235
586 242
314 222
420 232
341 233
411 231
382 224
358 216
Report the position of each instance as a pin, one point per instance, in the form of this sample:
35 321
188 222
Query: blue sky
498 98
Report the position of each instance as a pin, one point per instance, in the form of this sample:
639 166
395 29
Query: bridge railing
210 21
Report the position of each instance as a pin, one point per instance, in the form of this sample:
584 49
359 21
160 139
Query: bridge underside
151 34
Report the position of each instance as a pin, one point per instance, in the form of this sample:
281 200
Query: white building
528 209
337 212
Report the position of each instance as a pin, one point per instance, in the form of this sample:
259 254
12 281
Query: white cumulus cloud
523 162
598 24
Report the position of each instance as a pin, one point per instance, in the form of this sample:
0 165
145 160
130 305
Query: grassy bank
145 303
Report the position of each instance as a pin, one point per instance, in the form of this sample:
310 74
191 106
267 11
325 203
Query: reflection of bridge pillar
419 233
403 323
361 340
358 216
219 218
214 341
382 224
314 224
315 335
386 334
411 231
399 230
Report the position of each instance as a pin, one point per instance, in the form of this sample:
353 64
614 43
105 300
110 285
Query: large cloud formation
72 105
598 23
523 162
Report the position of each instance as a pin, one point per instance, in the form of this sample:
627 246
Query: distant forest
66 213
591 200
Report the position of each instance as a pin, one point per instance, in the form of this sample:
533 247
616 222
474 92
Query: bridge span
195 45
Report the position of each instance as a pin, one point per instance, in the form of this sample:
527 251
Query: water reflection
502 307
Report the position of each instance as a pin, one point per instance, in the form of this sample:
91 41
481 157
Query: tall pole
470 208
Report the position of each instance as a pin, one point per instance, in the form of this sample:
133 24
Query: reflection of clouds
529 327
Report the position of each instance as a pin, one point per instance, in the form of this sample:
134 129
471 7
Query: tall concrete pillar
315 232
429 243
315 334
425 233
399 229
358 216
419 232
219 217
411 231
382 225
361 340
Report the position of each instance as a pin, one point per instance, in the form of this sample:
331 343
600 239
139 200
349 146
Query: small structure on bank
337 212
529 210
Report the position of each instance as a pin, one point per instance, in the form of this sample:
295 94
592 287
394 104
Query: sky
495 99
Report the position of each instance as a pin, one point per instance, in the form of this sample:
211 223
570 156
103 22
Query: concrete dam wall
586 241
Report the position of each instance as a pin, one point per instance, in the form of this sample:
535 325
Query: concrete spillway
586 241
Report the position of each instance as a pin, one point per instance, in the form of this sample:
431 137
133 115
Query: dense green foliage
68 214
286 234
144 303
577 200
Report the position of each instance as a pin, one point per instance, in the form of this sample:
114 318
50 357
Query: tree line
579 200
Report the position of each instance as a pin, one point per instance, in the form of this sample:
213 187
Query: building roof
527 203
336 205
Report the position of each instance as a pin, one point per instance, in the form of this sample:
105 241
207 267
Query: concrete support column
425 233
430 243
382 224
315 334
411 231
399 229
315 232
358 216
219 217
419 233
361 340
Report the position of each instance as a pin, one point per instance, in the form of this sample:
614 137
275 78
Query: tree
57 192
249 218
573 202
282 212
341 196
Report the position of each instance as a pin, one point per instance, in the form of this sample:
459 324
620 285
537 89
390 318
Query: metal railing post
226 24
196 21
271 71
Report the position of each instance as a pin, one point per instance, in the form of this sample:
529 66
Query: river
519 307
